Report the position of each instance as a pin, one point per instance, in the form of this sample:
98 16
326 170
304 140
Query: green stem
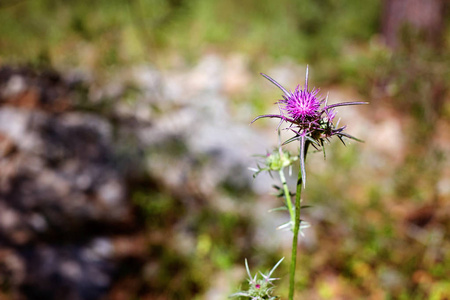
297 221
295 238
287 195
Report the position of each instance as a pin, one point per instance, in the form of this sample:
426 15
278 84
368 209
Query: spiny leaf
302 159
278 209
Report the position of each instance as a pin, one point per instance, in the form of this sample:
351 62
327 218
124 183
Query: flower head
309 117
301 105
259 288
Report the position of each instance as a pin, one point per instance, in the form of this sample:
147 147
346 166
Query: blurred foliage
187 245
414 80
366 247
379 247
106 33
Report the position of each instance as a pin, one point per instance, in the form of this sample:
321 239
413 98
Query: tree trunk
422 17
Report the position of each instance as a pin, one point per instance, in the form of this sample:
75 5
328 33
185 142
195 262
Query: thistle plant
309 118
310 121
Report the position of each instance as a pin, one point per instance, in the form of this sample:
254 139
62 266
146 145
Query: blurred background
125 145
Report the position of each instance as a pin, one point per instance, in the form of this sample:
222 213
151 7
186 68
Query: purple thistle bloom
309 118
302 105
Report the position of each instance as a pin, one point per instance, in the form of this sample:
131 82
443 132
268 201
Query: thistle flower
309 117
